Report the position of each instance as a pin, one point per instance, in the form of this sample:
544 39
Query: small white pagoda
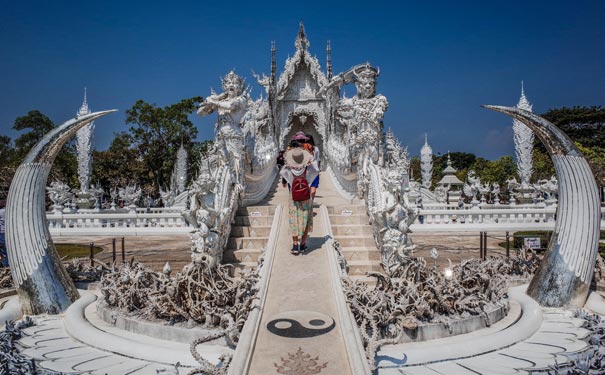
450 182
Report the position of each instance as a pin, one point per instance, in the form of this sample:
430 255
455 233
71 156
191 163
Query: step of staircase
360 267
247 243
247 231
352 230
346 210
353 219
256 211
359 254
366 241
241 255
253 221
249 237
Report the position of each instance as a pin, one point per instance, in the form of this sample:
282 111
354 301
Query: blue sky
439 61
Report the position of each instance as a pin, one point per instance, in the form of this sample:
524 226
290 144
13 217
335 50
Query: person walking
317 161
299 171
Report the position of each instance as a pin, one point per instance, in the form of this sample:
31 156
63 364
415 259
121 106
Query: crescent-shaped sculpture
41 280
564 277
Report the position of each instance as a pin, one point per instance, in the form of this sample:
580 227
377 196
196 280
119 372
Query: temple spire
523 102
302 43
329 60
84 110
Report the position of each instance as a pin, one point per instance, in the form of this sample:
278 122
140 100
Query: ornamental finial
301 43
84 110
523 102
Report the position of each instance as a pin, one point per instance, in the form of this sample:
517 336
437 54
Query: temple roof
449 173
294 63
450 179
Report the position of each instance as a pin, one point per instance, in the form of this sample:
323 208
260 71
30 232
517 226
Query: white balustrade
503 218
106 221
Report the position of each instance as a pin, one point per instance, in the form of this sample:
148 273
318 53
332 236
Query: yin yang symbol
300 324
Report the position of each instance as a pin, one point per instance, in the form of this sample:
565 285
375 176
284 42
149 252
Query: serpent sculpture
564 277
41 280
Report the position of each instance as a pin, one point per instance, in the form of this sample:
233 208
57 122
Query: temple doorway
307 124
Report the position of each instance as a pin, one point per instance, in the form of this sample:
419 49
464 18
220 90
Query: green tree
582 124
8 166
156 134
596 159
543 166
36 125
498 171
586 127
119 165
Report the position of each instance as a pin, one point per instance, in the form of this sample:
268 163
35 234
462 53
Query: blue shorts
315 182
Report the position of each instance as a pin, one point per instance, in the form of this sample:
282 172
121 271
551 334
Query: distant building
451 182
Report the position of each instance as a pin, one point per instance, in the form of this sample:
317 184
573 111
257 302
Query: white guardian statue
231 107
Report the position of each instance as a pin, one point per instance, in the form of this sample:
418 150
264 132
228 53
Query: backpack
300 188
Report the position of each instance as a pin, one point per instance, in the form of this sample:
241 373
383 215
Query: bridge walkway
300 315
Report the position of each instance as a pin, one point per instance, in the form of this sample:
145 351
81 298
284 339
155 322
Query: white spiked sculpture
566 272
426 163
84 148
524 142
43 285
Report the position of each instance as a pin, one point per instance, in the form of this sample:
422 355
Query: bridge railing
515 219
115 220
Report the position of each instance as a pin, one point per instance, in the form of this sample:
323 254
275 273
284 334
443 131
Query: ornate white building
84 148
524 142
426 163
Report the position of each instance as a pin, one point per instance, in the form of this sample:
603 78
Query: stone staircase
249 237
351 228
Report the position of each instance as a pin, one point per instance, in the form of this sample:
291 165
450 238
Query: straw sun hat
297 158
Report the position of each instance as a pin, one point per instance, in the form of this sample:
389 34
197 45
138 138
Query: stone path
300 315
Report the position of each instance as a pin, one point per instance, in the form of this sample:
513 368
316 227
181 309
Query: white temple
84 148
524 142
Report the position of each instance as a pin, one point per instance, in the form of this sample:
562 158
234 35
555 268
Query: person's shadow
315 243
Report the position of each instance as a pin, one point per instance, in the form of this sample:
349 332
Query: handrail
350 330
245 347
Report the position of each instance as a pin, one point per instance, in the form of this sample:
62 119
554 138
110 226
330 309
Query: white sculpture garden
369 305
